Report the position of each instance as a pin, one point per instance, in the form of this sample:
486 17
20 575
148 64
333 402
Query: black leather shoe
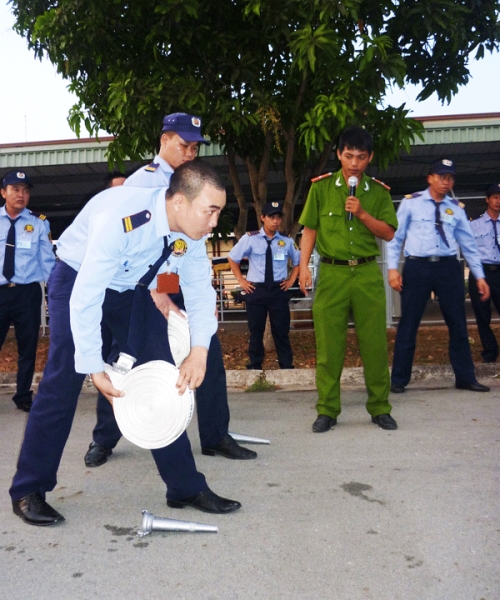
323 423
97 455
473 387
385 422
35 511
25 404
208 502
397 389
230 449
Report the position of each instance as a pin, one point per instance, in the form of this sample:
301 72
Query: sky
35 102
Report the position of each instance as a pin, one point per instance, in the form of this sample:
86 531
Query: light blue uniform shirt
34 256
254 246
106 256
156 174
417 232
483 230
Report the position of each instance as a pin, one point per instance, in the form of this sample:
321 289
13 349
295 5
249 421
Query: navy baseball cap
440 167
272 208
493 189
16 177
188 127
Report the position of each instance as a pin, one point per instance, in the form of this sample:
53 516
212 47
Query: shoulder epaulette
384 185
134 221
152 167
38 215
414 195
457 202
253 232
320 177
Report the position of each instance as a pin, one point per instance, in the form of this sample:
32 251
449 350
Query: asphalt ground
352 514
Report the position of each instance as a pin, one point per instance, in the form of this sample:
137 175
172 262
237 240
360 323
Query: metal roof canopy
67 173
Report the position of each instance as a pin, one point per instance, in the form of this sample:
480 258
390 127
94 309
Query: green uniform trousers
343 290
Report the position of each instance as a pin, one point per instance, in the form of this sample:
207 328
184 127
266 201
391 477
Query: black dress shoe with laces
385 422
229 448
97 455
35 511
323 423
472 387
397 389
208 502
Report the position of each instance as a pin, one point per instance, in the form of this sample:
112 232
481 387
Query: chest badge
180 247
29 228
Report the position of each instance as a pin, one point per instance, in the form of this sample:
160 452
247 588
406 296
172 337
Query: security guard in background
27 259
431 224
119 238
486 229
179 142
266 285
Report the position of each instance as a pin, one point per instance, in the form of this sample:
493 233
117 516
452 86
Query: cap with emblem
272 208
188 127
494 188
16 177
440 167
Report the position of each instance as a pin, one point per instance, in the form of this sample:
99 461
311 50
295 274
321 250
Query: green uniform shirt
325 213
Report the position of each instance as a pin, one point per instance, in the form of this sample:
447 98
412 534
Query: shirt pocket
26 244
333 219
424 226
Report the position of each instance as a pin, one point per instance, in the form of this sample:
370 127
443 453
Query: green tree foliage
274 80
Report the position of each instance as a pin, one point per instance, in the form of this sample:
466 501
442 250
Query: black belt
259 285
433 258
9 285
490 267
347 263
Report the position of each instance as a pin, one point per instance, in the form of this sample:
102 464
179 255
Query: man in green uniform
344 226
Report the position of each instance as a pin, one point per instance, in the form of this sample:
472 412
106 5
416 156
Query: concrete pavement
352 514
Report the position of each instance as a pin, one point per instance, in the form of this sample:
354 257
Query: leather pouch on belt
167 283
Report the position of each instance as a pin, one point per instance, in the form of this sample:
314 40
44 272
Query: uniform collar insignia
367 186
337 183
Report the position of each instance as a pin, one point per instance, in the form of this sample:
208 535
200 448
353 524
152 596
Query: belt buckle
352 263
434 258
11 285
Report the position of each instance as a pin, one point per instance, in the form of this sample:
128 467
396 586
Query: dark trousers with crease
482 310
21 307
445 279
50 419
261 302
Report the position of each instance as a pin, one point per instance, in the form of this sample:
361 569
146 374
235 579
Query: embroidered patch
179 248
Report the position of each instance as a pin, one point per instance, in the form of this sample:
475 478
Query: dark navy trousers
21 306
482 310
50 419
211 406
445 279
261 302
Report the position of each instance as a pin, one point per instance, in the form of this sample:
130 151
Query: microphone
352 182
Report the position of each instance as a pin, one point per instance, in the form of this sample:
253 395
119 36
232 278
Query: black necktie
269 275
10 249
439 224
496 234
